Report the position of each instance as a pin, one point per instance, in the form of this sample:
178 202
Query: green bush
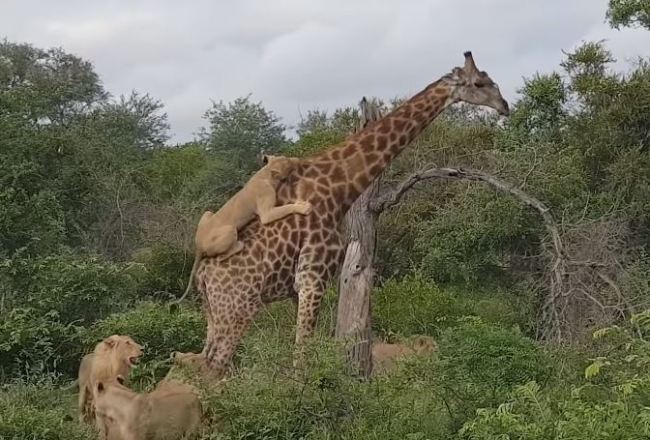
77 289
48 301
509 307
480 363
470 241
158 329
415 305
30 224
33 344
265 399
531 414
167 270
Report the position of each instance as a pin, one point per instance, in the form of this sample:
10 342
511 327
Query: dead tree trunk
353 322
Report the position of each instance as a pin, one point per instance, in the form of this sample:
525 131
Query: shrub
415 306
166 270
269 401
510 307
79 290
531 414
479 364
47 303
34 344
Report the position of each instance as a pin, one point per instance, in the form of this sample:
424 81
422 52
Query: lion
171 411
114 356
189 367
216 233
384 355
193 368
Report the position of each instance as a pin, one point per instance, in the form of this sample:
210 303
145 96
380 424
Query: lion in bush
114 356
384 355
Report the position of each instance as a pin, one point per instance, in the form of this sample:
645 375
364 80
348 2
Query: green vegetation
97 211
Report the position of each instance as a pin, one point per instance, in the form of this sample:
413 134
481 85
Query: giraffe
296 256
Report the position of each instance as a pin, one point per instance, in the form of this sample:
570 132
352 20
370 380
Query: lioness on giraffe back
297 255
216 233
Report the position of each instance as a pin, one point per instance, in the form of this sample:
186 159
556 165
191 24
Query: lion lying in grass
192 368
171 411
384 355
114 356
216 233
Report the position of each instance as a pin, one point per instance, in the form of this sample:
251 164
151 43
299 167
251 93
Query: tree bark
353 321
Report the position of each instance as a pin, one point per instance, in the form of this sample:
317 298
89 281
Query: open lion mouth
133 360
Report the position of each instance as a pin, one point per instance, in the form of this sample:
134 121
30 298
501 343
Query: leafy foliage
629 13
241 130
612 404
48 302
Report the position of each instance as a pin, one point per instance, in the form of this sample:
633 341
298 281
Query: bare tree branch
394 197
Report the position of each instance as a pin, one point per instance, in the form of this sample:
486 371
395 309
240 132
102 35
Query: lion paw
304 208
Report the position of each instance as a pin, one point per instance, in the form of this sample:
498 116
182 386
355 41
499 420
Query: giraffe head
475 86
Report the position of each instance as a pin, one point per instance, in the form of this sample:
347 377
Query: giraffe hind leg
230 315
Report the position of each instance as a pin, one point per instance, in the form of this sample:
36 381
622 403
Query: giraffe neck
367 153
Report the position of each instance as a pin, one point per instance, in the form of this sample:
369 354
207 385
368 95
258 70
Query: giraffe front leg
308 309
311 290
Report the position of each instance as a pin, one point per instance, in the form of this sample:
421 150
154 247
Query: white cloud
296 55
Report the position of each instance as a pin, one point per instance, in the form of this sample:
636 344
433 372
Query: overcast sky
296 55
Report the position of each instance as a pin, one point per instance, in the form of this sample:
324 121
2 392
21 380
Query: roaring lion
216 233
171 411
385 355
114 356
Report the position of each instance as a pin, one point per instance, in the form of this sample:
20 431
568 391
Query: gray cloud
296 55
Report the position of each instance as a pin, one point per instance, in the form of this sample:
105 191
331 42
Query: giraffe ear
457 74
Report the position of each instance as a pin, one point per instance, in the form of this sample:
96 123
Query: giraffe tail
190 282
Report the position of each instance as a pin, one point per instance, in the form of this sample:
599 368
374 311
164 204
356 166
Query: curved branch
392 198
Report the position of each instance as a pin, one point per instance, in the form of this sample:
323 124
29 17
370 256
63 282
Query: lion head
195 360
423 344
116 355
